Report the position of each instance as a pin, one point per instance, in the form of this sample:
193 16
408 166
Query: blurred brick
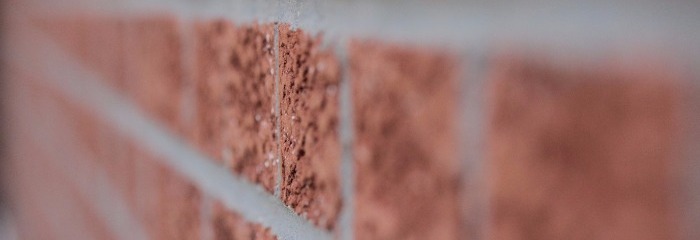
581 151
310 149
167 204
229 225
68 31
406 164
96 41
45 197
106 49
235 89
104 146
154 67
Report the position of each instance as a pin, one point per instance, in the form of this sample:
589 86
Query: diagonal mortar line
99 191
347 169
85 88
51 211
103 196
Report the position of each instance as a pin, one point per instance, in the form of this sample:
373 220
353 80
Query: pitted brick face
581 152
406 163
310 148
235 89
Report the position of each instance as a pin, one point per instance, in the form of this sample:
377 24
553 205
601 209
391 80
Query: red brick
104 147
106 49
235 89
310 149
45 198
97 42
25 194
581 151
154 67
69 31
406 164
167 203
227 224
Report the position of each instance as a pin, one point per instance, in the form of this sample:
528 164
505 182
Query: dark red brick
406 164
310 148
581 151
235 89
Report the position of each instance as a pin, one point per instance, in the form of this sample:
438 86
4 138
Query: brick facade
192 124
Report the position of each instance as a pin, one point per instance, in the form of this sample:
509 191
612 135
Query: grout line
465 117
43 208
347 169
205 216
278 161
84 87
474 170
614 26
188 61
473 123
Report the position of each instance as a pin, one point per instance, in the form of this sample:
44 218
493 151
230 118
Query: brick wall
309 120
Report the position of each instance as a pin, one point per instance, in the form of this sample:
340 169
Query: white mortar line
59 162
47 210
584 27
473 126
278 115
188 63
85 88
51 135
347 168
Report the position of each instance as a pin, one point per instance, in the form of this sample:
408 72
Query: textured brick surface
577 147
310 150
229 225
406 162
581 152
235 89
154 66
